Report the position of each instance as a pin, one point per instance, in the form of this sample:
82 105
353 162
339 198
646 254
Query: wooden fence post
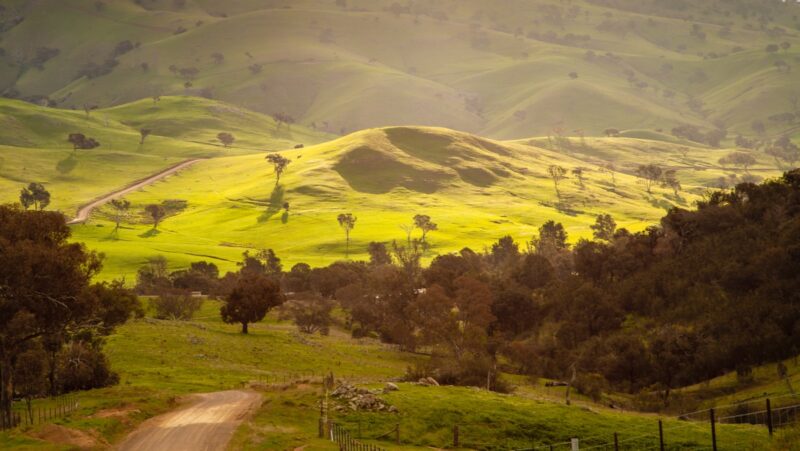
397 434
713 430
660 435
769 417
616 442
455 436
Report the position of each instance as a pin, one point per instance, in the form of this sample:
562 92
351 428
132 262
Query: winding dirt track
86 210
207 424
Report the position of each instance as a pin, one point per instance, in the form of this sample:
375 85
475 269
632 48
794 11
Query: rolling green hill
34 146
506 69
476 189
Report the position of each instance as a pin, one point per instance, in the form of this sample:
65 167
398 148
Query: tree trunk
244 328
7 390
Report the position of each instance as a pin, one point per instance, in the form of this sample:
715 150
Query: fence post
713 430
616 442
397 434
575 444
660 435
769 417
321 428
455 436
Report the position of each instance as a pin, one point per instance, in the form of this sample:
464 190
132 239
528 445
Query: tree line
706 291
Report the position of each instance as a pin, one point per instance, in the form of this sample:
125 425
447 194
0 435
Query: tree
743 159
34 195
784 149
408 228
251 298
611 132
771 48
87 108
279 163
557 173
347 222
649 174
552 239
282 118
612 171
459 324
604 227
156 213
378 254
424 223
121 207
671 180
310 316
226 138
578 173
785 46
217 57
44 289
144 133
80 141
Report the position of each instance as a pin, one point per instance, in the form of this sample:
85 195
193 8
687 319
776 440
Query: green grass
34 147
426 68
475 189
160 361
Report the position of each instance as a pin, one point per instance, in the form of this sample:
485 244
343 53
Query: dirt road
207 424
86 210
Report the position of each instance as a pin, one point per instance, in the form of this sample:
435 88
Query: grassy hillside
500 69
34 146
475 189
159 361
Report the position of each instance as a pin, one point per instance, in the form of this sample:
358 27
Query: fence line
347 442
26 415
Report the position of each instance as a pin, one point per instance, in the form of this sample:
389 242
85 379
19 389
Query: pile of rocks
354 398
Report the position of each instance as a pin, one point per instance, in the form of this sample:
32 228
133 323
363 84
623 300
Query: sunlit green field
159 361
475 189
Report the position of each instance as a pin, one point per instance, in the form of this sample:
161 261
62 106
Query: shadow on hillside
150 233
660 203
371 171
275 203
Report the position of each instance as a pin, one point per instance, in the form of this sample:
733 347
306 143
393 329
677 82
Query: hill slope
505 69
475 189
34 146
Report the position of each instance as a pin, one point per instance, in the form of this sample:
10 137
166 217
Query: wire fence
26 414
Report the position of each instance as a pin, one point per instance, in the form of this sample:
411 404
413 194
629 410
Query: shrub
83 367
310 316
592 385
175 306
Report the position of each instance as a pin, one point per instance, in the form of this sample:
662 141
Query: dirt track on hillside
207 424
86 210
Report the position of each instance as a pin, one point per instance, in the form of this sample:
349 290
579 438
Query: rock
354 398
390 387
428 382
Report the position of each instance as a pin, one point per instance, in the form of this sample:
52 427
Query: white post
575 446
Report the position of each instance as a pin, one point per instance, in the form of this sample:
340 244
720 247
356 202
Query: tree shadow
150 233
275 203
